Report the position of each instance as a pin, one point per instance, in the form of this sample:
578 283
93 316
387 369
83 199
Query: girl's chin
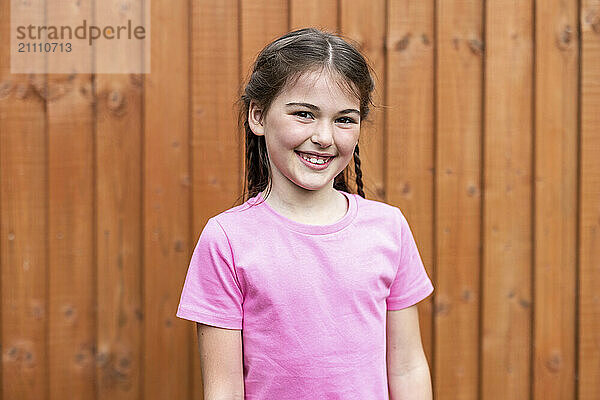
313 183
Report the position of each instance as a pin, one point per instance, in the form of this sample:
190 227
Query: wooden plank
119 213
556 78
72 268
72 330
364 22
321 14
118 235
409 135
459 40
507 246
262 21
215 137
23 216
166 203
589 212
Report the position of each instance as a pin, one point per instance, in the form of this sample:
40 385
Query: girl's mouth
313 162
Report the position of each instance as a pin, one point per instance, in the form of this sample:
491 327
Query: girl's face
316 116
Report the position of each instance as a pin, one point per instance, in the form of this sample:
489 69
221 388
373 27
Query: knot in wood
563 39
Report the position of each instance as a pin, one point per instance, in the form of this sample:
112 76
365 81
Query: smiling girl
307 291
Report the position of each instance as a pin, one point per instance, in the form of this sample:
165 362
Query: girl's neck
311 207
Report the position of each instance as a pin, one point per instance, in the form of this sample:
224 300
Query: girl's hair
281 63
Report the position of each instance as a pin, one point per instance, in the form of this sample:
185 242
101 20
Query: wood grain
23 222
507 246
72 331
588 386
555 200
409 133
459 63
321 14
166 204
119 130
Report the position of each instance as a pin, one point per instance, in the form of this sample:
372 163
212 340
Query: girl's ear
255 117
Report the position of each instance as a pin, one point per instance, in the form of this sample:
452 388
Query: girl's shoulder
244 214
376 208
236 210
383 215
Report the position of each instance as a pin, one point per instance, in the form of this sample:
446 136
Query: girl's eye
348 120
345 120
301 113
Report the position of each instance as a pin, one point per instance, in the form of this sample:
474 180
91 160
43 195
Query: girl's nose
323 135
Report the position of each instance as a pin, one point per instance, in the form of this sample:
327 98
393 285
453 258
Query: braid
256 164
339 182
358 171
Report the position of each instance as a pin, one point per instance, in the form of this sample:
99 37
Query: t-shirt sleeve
411 284
211 292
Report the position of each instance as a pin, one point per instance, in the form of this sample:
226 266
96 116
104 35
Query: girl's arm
221 362
407 368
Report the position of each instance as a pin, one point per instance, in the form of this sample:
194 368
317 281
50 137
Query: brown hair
281 63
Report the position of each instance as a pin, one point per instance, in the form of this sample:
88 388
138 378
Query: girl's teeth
314 160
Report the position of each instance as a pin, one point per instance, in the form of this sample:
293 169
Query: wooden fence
487 137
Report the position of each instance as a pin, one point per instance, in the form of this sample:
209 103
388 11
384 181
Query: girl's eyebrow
315 108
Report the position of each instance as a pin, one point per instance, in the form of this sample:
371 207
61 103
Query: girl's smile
315 162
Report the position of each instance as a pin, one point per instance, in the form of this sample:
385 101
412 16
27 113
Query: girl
307 291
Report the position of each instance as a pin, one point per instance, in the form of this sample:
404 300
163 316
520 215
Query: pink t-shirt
311 300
